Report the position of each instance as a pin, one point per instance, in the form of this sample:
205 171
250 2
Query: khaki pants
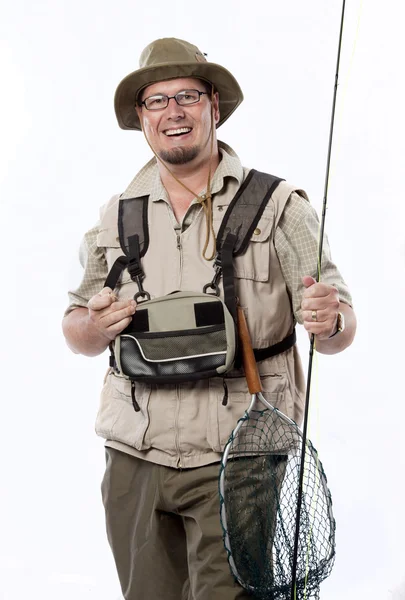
164 530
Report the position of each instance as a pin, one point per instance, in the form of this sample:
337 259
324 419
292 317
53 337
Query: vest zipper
177 229
180 249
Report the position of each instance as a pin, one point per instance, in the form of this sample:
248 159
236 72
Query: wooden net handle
249 361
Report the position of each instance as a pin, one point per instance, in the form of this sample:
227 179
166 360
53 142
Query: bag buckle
215 280
142 292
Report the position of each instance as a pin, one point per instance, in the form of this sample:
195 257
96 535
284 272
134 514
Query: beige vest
186 425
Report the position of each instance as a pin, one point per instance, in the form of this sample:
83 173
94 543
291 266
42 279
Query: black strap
285 344
115 272
133 219
246 209
228 274
134 263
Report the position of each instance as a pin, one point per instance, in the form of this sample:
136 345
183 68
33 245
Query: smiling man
164 441
178 118
186 122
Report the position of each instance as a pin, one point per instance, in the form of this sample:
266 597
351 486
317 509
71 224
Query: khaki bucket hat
170 58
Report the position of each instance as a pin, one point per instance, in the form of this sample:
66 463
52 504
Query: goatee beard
179 156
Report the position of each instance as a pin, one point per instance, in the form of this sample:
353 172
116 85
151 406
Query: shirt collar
148 183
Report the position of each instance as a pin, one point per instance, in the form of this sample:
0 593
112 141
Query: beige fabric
186 425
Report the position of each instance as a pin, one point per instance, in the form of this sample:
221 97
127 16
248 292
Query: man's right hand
109 315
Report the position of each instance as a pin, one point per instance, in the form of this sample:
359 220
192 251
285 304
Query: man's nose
173 109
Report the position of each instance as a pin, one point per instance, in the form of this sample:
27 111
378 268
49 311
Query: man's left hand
320 306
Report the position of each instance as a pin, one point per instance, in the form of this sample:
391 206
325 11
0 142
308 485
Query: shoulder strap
134 240
238 224
246 209
115 272
133 220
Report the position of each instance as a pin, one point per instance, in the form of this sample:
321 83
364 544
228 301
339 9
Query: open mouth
177 132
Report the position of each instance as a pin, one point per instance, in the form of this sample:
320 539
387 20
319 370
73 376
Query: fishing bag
187 335
183 336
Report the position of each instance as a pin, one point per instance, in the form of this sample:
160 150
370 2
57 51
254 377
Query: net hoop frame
322 478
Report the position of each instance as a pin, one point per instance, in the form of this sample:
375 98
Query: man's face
179 134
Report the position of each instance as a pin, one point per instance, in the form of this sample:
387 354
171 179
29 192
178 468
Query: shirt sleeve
95 271
296 242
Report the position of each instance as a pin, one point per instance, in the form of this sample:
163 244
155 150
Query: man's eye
155 101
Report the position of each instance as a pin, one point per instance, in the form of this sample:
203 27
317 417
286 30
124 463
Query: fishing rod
312 342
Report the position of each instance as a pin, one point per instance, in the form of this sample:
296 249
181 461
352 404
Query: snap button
257 231
220 208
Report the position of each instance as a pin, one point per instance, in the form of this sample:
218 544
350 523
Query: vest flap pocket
254 263
262 232
116 418
223 419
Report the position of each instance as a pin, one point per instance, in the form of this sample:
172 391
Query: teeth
177 131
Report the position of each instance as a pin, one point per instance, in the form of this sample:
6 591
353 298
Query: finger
113 330
321 330
114 316
100 301
319 290
307 280
321 303
322 316
114 307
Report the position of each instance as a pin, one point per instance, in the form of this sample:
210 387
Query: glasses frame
170 98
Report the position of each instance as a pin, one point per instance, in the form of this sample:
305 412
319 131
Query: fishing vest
187 335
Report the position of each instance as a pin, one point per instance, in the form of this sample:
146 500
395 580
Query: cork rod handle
249 361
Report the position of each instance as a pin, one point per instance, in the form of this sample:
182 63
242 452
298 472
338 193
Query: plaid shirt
295 238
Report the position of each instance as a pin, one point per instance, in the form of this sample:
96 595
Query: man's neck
194 176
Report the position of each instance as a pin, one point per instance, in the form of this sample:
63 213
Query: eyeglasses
183 98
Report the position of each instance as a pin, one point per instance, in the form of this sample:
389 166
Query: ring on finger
314 315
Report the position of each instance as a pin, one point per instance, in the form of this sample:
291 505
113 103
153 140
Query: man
160 487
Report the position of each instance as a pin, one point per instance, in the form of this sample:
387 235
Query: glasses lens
156 102
188 97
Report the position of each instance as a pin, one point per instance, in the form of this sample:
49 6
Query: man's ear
215 104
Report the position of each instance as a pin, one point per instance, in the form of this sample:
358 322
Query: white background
62 155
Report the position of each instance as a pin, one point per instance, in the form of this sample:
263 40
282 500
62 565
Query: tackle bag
184 336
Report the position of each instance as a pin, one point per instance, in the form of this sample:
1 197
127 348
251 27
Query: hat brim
230 93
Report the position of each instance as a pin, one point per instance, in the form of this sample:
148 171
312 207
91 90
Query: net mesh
135 366
259 482
180 346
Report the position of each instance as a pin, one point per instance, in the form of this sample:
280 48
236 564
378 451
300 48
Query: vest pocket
222 419
255 262
116 418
